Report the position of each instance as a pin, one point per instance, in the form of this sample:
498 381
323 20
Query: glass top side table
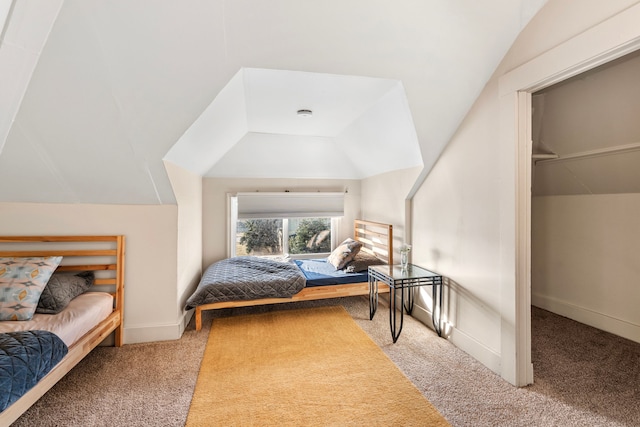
404 280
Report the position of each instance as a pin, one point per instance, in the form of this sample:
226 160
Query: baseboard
464 342
422 314
589 317
186 318
152 333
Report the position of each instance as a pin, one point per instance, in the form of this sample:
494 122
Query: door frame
602 43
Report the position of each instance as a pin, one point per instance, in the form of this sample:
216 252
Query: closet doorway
586 197
610 40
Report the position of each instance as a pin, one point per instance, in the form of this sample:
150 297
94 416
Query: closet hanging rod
618 149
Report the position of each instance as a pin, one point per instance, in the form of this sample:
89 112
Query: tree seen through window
266 237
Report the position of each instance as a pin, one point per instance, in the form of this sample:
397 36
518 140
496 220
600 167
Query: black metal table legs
402 281
436 295
373 297
407 298
396 328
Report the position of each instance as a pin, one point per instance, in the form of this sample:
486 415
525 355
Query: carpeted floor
584 377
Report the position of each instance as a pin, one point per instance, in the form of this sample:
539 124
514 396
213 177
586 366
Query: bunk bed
84 307
307 279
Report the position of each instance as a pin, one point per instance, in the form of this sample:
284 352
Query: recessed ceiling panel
355 127
274 97
263 155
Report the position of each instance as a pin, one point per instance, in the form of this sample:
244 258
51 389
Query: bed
304 280
80 307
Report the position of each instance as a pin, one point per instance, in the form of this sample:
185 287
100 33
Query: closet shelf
618 149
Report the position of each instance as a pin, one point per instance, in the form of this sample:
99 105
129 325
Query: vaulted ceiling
97 93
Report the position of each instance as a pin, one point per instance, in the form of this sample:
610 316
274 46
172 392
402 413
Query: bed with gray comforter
247 278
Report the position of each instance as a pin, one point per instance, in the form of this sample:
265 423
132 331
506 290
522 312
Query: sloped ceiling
118 83
588 128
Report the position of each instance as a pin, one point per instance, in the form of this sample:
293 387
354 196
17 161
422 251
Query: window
308 235
299 225
283 236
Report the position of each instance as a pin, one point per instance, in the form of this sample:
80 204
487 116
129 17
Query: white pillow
344 253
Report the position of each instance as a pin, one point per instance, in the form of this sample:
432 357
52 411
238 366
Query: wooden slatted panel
79 260
383 236
376 237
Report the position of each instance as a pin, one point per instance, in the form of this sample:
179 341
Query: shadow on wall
453 293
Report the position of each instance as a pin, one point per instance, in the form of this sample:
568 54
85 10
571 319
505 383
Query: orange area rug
309 367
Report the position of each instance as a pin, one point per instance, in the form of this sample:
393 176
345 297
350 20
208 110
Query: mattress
79 317
319 272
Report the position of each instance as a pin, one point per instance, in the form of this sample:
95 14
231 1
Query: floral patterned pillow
21 283
344 253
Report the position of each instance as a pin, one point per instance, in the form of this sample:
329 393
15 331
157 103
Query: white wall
585 259
187 188
215 214
150 260
465 213
384 199
456 231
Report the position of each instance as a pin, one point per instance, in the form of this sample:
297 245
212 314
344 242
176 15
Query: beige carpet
301 368
584 377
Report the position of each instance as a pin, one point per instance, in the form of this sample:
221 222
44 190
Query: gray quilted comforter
247 278
25 358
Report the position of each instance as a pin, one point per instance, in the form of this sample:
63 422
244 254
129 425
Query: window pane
309 235
259 237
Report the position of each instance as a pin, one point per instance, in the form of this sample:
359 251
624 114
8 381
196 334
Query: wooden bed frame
376 239
102 254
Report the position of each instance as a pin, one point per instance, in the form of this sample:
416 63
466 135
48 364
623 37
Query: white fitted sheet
79 317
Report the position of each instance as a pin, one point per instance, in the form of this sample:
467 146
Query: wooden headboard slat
377 238
49 239
64 253
372 242
371 223
372 233
87 267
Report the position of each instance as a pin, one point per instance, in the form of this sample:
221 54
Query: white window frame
232 208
